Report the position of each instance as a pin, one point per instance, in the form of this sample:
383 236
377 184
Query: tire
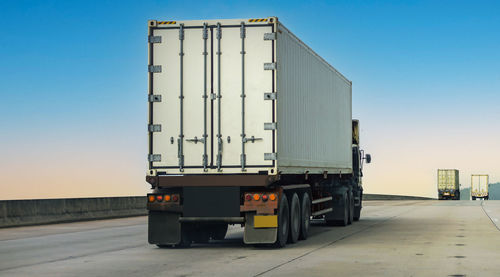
283 222
305 219
218 232
351 209
295 219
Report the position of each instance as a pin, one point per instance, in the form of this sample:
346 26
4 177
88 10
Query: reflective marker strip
258 20
167 22
265 221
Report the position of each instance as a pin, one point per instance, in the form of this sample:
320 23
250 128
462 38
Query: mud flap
164 228
337 204
257 235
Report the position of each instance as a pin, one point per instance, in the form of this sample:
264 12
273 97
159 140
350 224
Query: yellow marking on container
166 22
258 20
265 221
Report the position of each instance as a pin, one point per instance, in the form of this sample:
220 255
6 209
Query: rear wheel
305 221
295 219
283 222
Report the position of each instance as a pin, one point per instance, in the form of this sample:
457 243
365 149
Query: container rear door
183 82
208 111
244 74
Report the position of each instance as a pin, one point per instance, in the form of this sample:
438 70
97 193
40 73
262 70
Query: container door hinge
270 126
270 156
154 68
154 98
154 128
270 36
154 39
269 96
154 157
269 66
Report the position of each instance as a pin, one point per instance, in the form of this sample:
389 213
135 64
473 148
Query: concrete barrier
44 211
383 197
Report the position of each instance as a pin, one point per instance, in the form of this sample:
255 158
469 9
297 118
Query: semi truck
448 184
479 186
249 126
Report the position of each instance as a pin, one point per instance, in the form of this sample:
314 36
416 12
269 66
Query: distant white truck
479 186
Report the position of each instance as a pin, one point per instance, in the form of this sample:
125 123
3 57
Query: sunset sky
73 83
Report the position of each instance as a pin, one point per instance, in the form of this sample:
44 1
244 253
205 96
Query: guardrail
45 211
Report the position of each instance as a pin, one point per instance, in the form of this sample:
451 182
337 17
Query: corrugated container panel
313 111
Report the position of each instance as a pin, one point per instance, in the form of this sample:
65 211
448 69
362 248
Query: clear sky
73 82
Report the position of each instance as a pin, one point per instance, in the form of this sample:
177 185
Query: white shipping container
244 96
479 185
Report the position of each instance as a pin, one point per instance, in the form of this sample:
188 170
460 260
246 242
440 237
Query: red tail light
248 197
175 198
264 197
159 198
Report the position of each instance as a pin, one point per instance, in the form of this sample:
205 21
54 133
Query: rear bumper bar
213 219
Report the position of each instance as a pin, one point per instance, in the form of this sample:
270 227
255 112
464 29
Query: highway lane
393 238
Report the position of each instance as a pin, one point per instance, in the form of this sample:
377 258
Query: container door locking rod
180 140
219 134
205 96
243 135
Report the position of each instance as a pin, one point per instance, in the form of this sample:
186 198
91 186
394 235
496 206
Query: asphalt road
393 238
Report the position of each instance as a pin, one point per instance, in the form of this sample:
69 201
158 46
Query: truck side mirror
368 158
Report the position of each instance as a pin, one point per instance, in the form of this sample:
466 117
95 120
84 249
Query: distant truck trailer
448 184
248 126
479 186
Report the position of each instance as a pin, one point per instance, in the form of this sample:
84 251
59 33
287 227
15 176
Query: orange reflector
167 198
151 198
256 197
159 198
272 196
